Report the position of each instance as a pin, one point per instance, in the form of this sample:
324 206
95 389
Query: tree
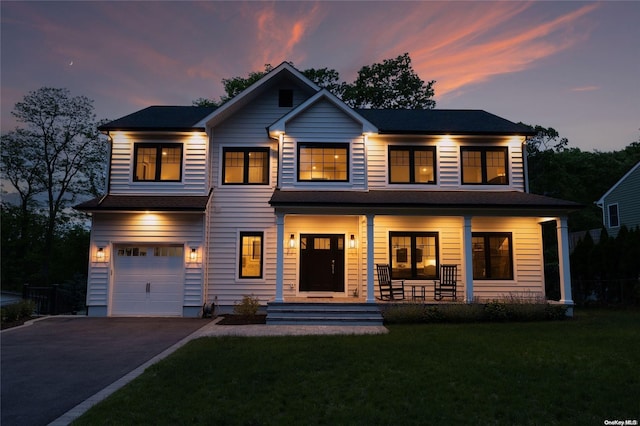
392 84
57 154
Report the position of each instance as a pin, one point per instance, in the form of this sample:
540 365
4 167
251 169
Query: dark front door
322 262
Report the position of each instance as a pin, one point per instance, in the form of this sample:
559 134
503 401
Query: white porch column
563 263
370 246
467 247
279 257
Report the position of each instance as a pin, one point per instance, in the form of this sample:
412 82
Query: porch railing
52 300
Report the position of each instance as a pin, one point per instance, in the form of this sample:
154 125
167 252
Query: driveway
54 364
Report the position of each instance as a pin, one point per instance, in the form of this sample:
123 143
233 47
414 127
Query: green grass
581 371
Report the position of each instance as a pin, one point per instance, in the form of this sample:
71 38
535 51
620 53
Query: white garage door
148 280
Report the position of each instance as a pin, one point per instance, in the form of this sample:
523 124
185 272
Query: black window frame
246 156
158 146
414 255
341 145
487 258
483 164
412 150
244 234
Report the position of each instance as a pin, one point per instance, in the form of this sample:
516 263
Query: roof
442 121
166 118
420 199
600 202
191 203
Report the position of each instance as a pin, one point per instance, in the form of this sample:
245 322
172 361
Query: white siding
194 165
237 208
110 229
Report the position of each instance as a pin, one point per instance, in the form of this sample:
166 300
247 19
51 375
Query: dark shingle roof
168 118
193 203
442 121
420 199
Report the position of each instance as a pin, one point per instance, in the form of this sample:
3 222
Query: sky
573 66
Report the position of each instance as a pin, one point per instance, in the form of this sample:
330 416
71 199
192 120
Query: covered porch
363 226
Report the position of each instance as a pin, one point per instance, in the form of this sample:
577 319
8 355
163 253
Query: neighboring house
621 203
287 194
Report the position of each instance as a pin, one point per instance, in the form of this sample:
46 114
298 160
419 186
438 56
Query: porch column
467 247
370 246
279 257
563 263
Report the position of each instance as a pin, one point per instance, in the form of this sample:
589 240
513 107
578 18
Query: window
245 166
412 164
251 254
285 98
323 161
484 166
414 255
614 218
492 256
157 162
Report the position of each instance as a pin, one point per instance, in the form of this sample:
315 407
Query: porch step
323 314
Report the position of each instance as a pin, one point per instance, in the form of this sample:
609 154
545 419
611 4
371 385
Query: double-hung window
492 256
414 255
323 161
157 162
614 217
245 166
484 166
251 249
412 164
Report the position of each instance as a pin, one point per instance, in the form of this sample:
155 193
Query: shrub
248 306
18 311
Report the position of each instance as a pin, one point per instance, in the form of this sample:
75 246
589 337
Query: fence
54 299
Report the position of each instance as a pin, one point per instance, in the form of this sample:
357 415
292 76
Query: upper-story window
323 161
412 164
484 166
157 162
614 217
245 166
285 98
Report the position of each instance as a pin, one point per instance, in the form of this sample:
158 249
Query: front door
322 262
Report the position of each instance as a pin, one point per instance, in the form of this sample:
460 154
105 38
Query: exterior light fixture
352 241
193 256
100 254
292 241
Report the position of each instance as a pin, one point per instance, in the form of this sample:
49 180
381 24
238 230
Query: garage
148 280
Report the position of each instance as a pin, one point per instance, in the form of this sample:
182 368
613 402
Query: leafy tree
56 154
392 84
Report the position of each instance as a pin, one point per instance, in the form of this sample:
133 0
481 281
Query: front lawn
581 371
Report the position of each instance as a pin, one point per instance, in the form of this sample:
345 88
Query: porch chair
389 290
446 285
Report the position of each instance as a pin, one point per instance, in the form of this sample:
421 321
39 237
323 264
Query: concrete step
323 314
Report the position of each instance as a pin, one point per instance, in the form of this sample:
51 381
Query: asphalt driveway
54 364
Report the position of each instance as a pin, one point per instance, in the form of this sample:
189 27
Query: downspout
525 163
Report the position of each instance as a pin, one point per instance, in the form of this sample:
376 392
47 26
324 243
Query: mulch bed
242 319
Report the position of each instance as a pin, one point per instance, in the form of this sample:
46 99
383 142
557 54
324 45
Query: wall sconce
193 256
292 241
100 254
352 241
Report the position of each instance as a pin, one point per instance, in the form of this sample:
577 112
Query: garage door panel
148 280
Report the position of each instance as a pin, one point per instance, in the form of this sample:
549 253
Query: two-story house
288 194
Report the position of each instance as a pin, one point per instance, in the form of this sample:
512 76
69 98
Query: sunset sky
574 66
